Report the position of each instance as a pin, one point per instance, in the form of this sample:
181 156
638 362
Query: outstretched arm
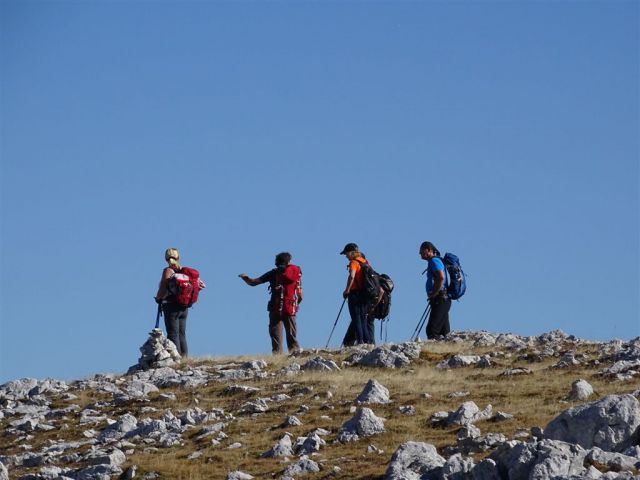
250 281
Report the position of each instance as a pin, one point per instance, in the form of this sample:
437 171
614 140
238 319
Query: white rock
374 392
238 475
363 424
414 461
283 448
580 390
609 423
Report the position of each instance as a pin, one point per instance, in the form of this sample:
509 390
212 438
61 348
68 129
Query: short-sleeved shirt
270 277
355 267
435 265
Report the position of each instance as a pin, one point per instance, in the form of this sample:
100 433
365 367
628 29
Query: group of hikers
366 293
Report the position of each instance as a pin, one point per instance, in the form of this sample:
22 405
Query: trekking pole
423 317
336 322
158 316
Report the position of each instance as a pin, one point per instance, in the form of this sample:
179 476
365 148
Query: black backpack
371 283
383 308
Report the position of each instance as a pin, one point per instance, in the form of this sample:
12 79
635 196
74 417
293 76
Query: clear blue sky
506 132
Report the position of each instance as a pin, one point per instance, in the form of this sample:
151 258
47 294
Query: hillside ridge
475 405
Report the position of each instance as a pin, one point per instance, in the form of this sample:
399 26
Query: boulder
320 364
302 467
373 392
115 457
119 429
611 423
4 472
539 460
457 467
414 461
613 461
580 390
282 448
469 413
363 424
387 356
309 444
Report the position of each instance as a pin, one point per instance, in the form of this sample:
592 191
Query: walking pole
423 317
335 323
158 316
424 320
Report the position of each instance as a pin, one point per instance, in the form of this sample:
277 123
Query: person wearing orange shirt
361 327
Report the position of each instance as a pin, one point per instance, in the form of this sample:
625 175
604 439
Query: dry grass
533 399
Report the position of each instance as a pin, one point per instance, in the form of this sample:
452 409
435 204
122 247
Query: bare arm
250 281
438 281
350 279
164 282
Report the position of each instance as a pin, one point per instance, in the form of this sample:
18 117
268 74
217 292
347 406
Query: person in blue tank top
438 324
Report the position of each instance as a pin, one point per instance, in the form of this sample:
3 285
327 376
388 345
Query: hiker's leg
350 336
290 329
275 332
371 329
356 320
436 318
171 324
446 328
182 326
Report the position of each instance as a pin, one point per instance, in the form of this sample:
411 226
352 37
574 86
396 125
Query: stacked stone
158 351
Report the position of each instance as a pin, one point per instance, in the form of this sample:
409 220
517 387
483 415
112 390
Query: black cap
349 247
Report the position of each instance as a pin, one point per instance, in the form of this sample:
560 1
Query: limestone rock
374 392
157 351
238 475
119 429
469 413
580 390
115 457
387 356
363 424
302 467
414 461
259 406
291 421
457 467
610 423
320 364
613 461
539 460
282 448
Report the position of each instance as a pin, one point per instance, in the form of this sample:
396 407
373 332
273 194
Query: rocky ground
474 406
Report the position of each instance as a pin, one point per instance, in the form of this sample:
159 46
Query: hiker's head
282 260
171 255
428 250
350 250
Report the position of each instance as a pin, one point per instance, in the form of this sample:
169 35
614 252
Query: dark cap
349 247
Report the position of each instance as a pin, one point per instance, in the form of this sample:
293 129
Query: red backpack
290 281
185 285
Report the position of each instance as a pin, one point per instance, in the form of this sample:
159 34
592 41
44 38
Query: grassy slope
533 399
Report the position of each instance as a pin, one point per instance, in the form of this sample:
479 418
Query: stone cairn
158 351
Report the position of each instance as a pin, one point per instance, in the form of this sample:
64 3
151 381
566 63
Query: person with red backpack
285 285
178 290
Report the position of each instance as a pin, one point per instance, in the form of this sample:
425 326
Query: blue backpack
457 279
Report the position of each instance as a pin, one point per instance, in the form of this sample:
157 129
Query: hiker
174 307
437 295
285 285
361 329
